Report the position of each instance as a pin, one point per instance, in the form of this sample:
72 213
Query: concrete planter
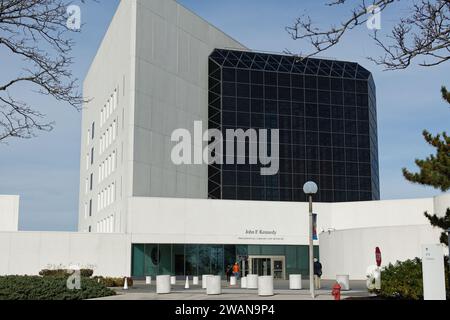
195 281
344 281
252 281
233 281
148 280
163 285
244 283
295 282
213 285
204 281
265 286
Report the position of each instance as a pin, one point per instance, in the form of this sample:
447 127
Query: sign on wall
433 272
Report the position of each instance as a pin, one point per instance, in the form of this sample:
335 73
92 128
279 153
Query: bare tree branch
423 32
36 32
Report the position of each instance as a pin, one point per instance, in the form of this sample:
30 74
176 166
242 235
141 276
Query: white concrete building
149 77
139 214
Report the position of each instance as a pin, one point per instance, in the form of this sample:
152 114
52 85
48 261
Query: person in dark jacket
228 272
317 273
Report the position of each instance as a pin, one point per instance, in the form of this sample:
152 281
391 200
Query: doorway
268 266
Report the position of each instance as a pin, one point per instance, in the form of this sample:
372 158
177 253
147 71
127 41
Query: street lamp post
448 244
310 189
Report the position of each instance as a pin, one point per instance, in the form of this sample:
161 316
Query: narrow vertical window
90 208
93 131
92 156
91 181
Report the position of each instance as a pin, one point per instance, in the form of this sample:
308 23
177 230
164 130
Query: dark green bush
63 272
113 282
404 280
49 288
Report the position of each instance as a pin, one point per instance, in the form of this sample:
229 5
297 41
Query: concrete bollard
214 285
148 280
252 281
244 283
295 282
125 284
173 280
186 286
204 277
344 281
265 286
195 281
163 284
233 281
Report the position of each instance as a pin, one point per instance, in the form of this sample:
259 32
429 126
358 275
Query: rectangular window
91 182
92 156
93 130
90 229
90 208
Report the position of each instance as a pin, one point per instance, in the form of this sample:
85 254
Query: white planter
344 282
163 284
244 283
252 281
204 277
213 285
233 281
265 286
195 281
295 282
148 280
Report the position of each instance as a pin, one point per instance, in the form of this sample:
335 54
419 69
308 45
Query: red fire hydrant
336 292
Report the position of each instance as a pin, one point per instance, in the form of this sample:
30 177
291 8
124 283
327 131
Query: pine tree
435 171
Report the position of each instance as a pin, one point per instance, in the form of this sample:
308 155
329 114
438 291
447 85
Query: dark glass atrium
325 111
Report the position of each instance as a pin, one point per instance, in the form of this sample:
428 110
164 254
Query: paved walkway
140 291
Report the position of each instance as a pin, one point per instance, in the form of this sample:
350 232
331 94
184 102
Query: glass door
262 266
268 266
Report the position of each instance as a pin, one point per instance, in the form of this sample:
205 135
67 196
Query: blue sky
44 170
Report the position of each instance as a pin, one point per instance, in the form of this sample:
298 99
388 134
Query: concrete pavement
141 291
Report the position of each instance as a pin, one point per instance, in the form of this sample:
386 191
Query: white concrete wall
172 49
9 213
165 220
398 227
26 253
112 69
353 251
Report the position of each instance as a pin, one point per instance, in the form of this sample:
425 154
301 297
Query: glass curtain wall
200 259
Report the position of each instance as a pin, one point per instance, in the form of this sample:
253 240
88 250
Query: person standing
228 272
317 273
236 270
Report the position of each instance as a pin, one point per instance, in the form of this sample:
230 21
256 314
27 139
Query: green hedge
404 280
113 282
49 288
64 272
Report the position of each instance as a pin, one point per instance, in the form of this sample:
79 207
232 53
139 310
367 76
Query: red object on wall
378 256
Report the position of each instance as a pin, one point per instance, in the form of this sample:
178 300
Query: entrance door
267 266
262 266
